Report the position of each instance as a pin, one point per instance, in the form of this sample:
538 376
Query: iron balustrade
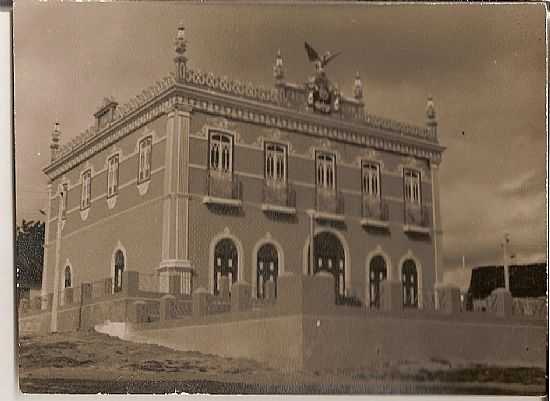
222 185
279 194
329 201
375 208
416 215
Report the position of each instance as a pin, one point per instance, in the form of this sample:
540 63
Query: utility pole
55 300
311 240
505 246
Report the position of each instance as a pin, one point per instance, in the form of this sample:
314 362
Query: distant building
202 177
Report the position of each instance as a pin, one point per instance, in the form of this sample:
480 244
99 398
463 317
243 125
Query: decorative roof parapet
241 89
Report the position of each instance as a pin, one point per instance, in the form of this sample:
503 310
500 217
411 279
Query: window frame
334 186
364 164
116 158
417 181
231 163
148 141
273 180
86 189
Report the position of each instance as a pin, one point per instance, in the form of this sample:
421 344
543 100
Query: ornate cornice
244 102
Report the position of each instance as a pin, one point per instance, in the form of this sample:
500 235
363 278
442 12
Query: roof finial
180 46
54 143
278 68
430 111
358 87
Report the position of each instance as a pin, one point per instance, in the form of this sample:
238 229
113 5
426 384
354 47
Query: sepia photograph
280 198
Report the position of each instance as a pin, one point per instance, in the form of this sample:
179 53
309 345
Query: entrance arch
120 264
226 262
267 268
409 279
331 255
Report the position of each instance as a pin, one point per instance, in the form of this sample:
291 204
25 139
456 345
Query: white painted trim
418 265
347 254
378 251
226 233
266 239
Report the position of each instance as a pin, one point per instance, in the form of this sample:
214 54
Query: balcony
416 219
279 198
375 212
329 205
223 190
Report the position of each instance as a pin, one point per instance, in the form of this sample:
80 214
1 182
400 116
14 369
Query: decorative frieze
92 141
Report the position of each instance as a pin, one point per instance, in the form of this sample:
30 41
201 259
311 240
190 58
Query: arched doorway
267 268
377 273
226 262
119 268
409 279
329 256
67 282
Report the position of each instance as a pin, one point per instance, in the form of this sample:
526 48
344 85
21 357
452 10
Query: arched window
221 153
326 171
226 262
409 278
371 179
267 268
329 256
67 283
119 268
275 163
145 155
377 273
411 182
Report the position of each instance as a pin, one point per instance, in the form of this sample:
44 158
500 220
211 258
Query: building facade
203 177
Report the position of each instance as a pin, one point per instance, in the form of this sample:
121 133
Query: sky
483 64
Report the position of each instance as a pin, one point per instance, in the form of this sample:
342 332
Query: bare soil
96 363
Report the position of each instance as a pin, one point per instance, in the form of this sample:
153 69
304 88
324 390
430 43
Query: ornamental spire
278 68
430 112
180 46
54 143
358 87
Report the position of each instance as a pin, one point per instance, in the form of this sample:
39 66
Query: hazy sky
484 65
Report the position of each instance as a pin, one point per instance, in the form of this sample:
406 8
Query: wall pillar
241 296
503 302
175 214
391 296
449 299
437 230
200 302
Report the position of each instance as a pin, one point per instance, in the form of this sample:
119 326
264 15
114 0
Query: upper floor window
371 179
411 181
86 194
145 151
326 170
221 153
112 176
64 194
275 163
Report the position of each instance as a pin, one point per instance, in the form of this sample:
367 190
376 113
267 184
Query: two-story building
202 176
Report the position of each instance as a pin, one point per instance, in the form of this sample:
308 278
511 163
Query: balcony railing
375 212
329 205
416 219
279 198
223 189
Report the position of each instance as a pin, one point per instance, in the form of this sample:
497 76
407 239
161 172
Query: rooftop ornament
180 47
278 68
358 88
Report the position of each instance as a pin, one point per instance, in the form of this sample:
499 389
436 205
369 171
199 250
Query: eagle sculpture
320 62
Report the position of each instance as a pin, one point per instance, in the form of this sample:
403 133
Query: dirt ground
97 363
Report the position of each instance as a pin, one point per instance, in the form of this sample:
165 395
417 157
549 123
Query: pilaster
45 272
175 223
438 232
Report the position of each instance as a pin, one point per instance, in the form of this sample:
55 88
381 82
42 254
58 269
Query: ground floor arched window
226 262
67 282
329 256
377 273
119 269
267 268
409 279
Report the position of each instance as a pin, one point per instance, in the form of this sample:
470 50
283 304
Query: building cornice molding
381 134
